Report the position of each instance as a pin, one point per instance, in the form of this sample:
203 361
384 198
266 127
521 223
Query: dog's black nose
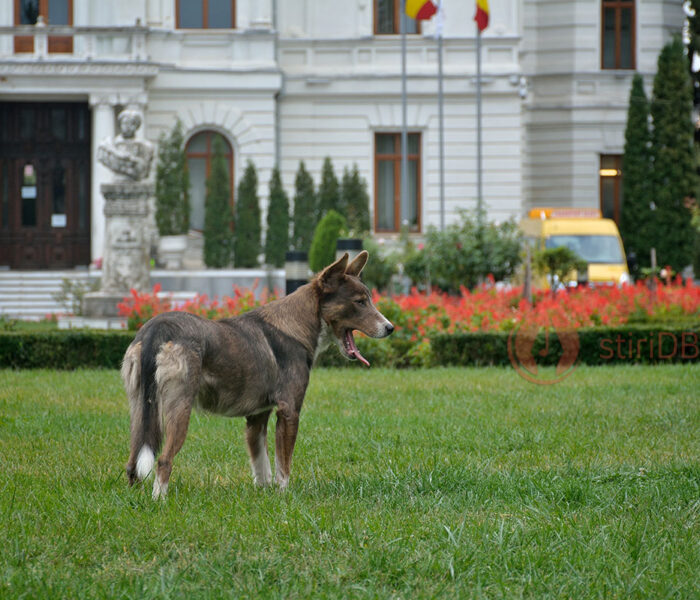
389 328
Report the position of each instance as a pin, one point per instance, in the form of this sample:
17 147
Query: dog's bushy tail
138 375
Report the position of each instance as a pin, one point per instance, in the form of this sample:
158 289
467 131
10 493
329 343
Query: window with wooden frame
387 14
610 175
205 14
199 151
389 215
54 12
618 34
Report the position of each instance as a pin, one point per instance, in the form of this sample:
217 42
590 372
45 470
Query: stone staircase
29 295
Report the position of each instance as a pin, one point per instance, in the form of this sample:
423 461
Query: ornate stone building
289 80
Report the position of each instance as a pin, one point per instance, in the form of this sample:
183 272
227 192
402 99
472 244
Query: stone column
102 128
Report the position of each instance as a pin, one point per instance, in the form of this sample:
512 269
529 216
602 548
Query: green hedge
597 346
63 349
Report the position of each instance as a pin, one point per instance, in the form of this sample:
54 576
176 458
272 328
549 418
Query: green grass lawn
446 483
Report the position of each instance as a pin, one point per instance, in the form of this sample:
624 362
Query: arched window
200 151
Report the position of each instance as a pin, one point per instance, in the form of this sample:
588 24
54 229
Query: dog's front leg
256 438
285 437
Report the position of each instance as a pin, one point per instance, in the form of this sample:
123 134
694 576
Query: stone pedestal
125 262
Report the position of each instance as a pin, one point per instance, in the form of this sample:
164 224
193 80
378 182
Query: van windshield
601 249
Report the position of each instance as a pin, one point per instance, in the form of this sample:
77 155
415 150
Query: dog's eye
361 302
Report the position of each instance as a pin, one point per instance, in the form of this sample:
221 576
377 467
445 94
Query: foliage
674 174
218 216
327 232
354 201
70 296
380 267
277 238
172 184
558 264
637 217
246 239
328 190
305 210
466 253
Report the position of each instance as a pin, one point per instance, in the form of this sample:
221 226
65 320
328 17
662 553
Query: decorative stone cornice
88 69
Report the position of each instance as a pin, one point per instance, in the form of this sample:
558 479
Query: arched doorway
200 152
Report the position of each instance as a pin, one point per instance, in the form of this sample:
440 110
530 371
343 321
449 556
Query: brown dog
245 366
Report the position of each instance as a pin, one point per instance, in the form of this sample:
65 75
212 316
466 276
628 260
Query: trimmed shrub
354 201
380 268
172 184
277 238
328 190
246 239
305 210
327 232
218 216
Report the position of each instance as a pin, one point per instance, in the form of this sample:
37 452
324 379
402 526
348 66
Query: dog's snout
389 328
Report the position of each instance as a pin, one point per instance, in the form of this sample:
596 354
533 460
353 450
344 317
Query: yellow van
584 231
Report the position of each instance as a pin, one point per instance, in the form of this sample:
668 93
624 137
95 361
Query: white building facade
288 80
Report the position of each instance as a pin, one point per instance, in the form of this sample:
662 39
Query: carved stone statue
124 155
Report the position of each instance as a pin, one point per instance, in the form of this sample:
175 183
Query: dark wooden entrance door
44 185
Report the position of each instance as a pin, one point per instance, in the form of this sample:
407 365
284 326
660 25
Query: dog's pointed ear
332 275
358 263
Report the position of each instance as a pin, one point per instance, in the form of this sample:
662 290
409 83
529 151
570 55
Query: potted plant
172 198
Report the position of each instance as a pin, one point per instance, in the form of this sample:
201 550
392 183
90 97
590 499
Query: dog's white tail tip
145 461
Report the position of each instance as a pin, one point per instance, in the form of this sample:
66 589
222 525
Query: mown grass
423 484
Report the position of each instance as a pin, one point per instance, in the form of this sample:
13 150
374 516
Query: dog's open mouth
351 348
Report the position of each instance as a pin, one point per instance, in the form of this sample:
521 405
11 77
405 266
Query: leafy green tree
327 232
172 184
557 264
277 238
218 216
246 239
637 216
328 190
305 209
674 175
354 201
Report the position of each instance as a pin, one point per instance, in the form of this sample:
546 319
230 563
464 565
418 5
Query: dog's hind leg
131 376
285 437
177 376
256 438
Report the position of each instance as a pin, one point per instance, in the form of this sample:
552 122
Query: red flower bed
487 308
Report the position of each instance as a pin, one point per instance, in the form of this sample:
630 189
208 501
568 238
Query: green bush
327 232
557 264
354 201
277 238
172 184
305 210
328 190
218 216
380 268
246 239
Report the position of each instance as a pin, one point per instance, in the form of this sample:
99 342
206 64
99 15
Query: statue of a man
125 155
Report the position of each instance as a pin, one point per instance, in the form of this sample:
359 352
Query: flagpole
441 117
403 212
479 188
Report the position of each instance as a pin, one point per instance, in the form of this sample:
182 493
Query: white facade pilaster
102 128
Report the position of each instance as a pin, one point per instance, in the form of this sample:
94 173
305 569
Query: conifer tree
674 177
636 218
305 209
328 190
277 238
355 201
218 216
246 239
172 184
327 232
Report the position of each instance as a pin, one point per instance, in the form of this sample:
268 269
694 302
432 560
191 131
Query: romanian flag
482 14
421 10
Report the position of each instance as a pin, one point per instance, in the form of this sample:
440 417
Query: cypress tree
246 239
172 184
637 215
355 201
674 177
305 209
328 190
218 215
327 232
277 239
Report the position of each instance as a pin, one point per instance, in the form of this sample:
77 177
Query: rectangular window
618 34
389 214
387 15
54 12
206 14
610 175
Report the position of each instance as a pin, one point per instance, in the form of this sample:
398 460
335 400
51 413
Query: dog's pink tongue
354 351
